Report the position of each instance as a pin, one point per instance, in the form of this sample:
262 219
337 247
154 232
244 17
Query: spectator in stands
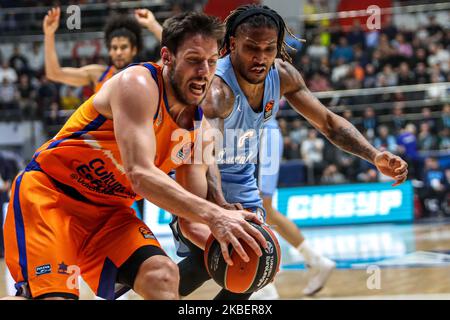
377 60
405 75
298 133
18 61
398 118
35 58
389 76
325 68
428 118
290 149
369 122
342 51
317 50
372 39
433 26
370 79
356 34
445 116
27 96
331 175
420 74
407 146
435 189
444 139
402 47
312 155
385 141
439 56
427 141
385 48
389 29
318 83
367 176
306 66
8 73
46 94
8 95
339 72
437 91
420 56
361 55
69 99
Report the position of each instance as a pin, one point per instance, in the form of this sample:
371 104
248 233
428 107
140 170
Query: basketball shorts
51 238
271 152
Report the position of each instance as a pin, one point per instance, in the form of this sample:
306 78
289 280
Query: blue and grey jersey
242 128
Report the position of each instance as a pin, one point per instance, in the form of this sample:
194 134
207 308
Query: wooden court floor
416 280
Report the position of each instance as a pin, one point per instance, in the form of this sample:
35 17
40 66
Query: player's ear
166 55
232 43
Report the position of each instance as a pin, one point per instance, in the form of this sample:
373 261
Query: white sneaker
269 292
319 274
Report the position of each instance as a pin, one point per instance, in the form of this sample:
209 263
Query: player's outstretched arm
133 100
70 76
147 19
337 129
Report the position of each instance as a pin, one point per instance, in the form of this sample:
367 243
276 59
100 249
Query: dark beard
176 88
179 95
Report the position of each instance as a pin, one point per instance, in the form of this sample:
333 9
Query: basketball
244 277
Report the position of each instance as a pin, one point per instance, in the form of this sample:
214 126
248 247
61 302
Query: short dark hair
123 26
177 28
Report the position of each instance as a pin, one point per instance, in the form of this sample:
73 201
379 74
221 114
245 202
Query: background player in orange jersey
71 205
122 38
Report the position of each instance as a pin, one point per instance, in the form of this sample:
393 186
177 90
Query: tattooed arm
338 130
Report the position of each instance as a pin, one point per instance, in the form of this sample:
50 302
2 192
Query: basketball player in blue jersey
252 75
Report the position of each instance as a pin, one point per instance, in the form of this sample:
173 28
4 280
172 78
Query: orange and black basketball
244 277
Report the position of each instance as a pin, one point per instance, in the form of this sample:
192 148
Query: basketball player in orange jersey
252 74
123 40
70 208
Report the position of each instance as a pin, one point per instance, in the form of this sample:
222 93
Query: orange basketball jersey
109 72
84 156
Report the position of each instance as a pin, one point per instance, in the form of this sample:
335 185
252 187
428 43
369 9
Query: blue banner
347 204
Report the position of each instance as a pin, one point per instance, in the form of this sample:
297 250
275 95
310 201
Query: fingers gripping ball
244 277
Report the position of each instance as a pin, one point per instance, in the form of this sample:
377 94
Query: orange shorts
51 237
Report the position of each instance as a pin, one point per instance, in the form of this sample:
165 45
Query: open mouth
197 88
258 70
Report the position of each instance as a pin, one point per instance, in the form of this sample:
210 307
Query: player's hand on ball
51 21
232 226
145 17
392 166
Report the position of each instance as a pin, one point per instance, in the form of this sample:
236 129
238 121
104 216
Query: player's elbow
327 126
137 176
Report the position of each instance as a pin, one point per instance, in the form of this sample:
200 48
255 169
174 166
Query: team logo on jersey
185 151
62 268
146 233
44 269
268 109
159 118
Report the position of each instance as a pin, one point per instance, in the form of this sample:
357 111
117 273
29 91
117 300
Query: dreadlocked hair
123 26
274 21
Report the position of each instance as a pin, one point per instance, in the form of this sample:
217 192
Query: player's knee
158 274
